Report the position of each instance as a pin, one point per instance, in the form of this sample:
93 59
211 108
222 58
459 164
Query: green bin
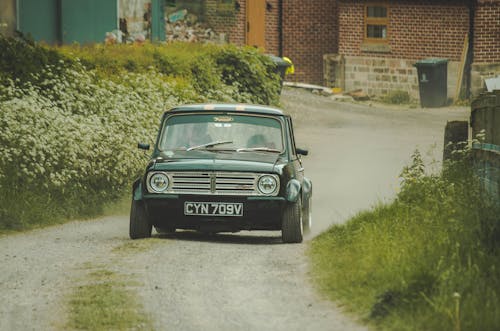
281 66
433 82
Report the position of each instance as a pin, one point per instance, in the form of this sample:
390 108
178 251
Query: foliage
245 73
20 59
70 127
397 97
411 264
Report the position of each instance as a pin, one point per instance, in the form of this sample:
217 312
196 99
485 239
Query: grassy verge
105 299
105 303
428 261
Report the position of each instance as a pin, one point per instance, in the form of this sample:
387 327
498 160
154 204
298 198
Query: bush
244 74
397 97
69 134
410 264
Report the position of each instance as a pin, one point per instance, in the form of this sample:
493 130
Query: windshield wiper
258 149
212 144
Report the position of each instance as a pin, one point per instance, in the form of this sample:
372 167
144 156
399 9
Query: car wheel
292 226
165 230
140 227
307 211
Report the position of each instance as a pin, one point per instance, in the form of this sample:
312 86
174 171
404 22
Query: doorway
256 23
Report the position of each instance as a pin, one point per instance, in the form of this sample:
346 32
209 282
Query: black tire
292 228
307 218
140 227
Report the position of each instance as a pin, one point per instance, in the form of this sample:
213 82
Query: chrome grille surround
215 183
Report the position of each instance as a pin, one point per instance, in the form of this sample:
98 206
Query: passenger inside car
259 140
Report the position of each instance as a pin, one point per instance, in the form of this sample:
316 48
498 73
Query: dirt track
245 281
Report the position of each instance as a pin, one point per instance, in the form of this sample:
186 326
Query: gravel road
244 281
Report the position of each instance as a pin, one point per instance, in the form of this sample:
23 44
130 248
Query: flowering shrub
68 138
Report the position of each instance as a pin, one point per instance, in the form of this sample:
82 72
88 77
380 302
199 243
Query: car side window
292 138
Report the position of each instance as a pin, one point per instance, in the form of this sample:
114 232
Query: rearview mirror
143 146
301 151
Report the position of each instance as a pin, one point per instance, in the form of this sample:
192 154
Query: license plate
213 209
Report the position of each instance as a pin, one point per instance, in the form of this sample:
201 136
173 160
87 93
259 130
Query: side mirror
301 151
143 146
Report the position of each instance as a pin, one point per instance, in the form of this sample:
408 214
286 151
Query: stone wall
417 29
377 76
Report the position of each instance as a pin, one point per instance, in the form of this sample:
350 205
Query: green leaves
70 127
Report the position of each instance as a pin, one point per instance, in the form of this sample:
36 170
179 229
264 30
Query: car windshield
221 132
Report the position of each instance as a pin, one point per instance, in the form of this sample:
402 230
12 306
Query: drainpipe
59 26
280 28
470 54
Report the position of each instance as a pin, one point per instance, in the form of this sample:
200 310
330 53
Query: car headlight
158 182
267 184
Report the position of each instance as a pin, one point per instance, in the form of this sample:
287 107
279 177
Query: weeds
400 264
397 97
105 303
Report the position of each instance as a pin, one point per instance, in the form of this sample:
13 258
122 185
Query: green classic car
223 168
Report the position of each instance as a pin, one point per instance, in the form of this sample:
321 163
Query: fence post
485 120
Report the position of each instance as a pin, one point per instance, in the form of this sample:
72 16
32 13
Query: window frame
376 21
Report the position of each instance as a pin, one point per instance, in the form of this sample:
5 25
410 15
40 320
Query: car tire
292 226
307 218
140 227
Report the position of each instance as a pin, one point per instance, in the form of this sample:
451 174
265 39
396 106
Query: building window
376 23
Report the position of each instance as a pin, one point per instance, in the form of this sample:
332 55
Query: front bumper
259 213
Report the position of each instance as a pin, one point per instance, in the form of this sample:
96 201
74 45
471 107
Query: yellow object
291 68
336 90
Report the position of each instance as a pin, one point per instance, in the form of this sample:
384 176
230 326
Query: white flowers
68 131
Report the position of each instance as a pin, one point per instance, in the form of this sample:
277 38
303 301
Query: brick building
301 30
366 44
380 41
373 45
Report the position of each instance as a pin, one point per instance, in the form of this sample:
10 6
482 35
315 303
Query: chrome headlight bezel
268 185
153 187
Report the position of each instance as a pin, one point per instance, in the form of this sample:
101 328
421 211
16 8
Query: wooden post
462 67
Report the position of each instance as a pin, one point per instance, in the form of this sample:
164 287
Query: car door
296 162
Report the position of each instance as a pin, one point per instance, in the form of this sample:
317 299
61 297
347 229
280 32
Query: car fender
137 190
293 188
306 189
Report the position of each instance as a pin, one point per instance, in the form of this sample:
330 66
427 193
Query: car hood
219 161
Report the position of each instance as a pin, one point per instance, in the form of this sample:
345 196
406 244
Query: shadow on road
223 238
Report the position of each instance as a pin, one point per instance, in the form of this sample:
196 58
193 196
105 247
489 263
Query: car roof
210 107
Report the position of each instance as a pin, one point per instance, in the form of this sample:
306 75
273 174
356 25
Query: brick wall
309 31
235 26
231 25
272 27
487 32
417 29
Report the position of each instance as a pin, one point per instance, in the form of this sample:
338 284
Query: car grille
216 183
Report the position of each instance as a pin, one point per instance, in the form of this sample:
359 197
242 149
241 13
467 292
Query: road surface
244 281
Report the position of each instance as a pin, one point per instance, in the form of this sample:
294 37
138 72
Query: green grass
400 266
104 302
397 97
